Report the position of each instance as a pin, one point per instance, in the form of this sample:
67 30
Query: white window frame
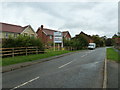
50 36
6 34
25 34
32 35
15 35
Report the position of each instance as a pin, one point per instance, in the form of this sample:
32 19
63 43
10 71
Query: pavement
78 70
112 74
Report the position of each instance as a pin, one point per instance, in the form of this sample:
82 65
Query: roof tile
11 28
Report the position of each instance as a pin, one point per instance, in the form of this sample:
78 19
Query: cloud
90 17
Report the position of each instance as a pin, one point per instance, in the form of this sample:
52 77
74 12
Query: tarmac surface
83 69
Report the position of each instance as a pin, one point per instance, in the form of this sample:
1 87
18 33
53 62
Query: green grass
20 59
113 55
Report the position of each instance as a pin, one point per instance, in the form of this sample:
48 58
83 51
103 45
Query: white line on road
84 55
65 64
24 83
96 62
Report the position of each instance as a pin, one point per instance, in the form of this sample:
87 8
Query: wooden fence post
26 51
12 52
36 50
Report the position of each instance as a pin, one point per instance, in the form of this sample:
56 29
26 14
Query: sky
93 18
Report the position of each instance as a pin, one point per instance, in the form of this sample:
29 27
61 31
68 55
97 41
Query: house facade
47 35
87 37
15 30
66 35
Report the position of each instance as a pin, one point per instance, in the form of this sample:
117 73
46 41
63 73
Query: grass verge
113 55
20 59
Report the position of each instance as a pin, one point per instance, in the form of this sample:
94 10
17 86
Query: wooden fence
17 51
5 52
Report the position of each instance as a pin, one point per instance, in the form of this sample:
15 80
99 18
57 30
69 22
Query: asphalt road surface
79 70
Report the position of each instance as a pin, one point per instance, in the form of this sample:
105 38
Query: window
50 37
15 35
25 34
67 38
6 35
18 34
32 35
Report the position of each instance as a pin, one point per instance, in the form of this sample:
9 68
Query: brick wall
67 36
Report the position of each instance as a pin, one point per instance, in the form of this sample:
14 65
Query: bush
66 42
76 43
100 41
22 41
79 42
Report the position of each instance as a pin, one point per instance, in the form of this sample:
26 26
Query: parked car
91 46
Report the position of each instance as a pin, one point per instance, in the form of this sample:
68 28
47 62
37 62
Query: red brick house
87 37
66 35
47 35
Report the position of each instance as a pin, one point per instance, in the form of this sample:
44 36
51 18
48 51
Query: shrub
22 41
78 42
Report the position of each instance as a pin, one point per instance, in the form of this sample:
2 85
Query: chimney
42 27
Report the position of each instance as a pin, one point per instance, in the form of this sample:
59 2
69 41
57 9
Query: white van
91 46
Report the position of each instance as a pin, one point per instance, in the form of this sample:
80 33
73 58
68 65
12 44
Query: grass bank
20 59
113 55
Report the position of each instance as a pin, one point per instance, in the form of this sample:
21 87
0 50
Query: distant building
7 30
47 35
87 37
66 35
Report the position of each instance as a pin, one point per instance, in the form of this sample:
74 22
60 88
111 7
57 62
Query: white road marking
24 83
96 62
84 55
65 64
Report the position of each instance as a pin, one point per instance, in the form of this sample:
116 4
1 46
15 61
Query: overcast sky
90 17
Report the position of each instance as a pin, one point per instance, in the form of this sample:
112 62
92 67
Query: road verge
21 65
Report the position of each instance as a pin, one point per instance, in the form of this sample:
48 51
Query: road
79 70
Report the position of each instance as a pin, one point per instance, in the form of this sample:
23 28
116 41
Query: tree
100 41
119 34
115 36
66 42
79 42
108 42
